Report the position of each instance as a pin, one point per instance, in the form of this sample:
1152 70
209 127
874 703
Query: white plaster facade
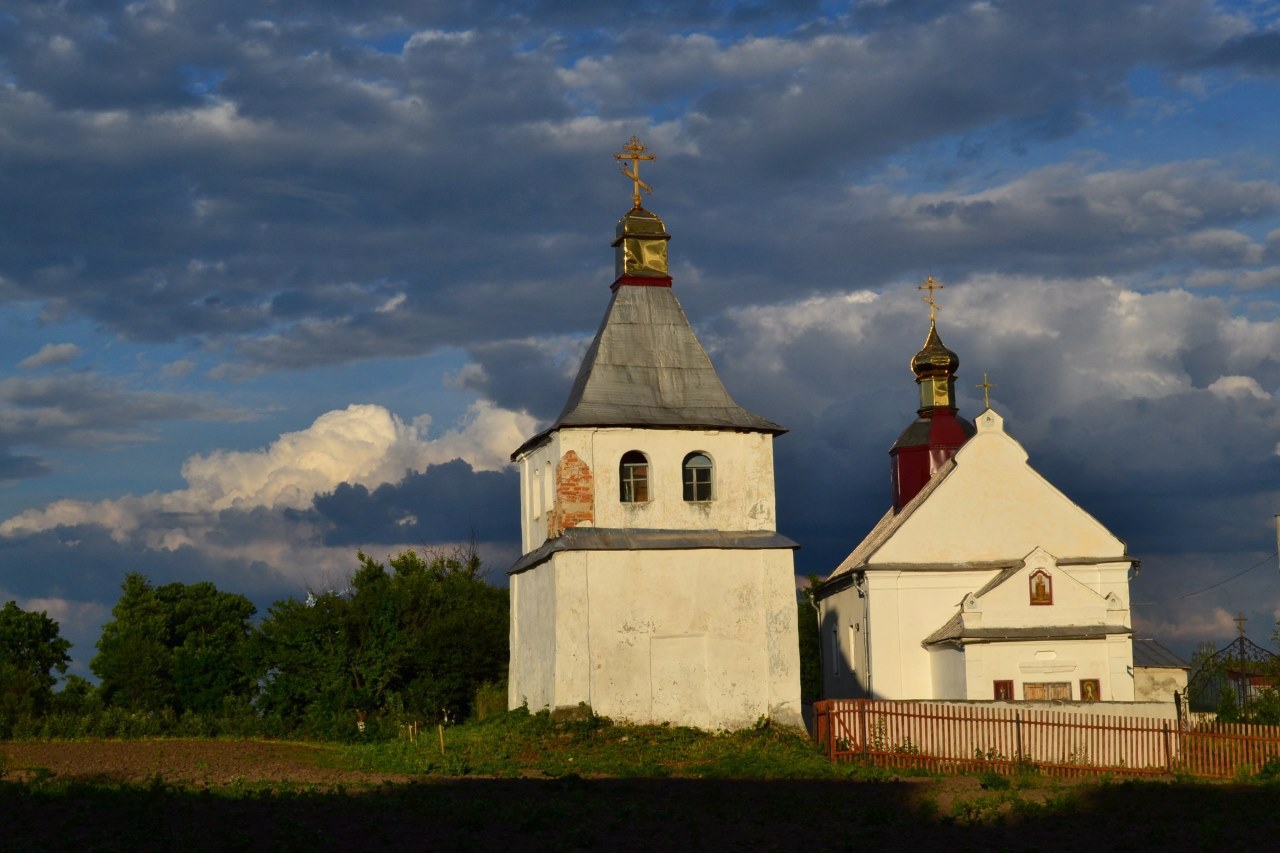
936 602
698 636
743 489
702 638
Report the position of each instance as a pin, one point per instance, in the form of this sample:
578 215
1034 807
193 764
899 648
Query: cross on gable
986 387
1240 620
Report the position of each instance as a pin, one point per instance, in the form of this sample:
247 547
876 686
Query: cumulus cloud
49 355
362 445
1156 410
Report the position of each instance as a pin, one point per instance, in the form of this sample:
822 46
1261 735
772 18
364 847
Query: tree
810 640
179 646
419 638
31 651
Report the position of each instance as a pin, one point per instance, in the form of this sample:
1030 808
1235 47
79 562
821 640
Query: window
1002 691
1041 587
697 477
633 477
1047 691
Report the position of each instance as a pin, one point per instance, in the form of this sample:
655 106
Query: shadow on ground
634 814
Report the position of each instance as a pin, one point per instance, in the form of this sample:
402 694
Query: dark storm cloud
267 183
85 408
531 376
1258 52
445 503
21 467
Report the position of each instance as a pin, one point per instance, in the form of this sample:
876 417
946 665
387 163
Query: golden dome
934 358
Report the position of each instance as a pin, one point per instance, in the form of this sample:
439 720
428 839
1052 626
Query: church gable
993 506
1041 592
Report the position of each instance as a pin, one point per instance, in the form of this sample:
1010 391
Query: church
981 581
653 585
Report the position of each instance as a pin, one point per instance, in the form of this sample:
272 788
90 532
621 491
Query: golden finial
986 386
634 151
930 284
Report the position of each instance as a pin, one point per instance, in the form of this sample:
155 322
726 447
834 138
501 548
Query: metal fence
958 738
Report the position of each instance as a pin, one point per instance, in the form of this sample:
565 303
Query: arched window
633 477
697 477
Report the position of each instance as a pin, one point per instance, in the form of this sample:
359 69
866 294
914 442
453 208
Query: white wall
700 638
906 607
994 506
743 491
844 645
1047 661
1158 683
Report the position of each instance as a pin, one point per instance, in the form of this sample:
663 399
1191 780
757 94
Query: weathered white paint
1158 683
992 507
706 638
742 487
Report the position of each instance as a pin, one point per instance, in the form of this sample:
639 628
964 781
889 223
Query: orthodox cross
1240 620
986 387
930 284
634 151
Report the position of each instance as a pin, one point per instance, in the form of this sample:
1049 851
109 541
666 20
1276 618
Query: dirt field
252 795
195 763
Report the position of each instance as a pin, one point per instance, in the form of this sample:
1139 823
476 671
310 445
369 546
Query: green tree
810 655
418 639
31 651
180 646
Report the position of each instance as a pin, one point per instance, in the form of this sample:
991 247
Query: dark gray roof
954 631
1147 652
645 368
633 539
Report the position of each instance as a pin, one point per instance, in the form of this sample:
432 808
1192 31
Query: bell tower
938 431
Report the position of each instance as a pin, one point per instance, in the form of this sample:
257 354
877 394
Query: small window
697 477
1002 691
633 477
1047 691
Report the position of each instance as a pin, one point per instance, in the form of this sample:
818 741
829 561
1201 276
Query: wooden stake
440 727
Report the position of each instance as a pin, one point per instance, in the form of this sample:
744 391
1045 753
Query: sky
284 280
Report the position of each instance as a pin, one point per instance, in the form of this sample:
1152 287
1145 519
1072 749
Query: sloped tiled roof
1147 652
954 629
646 368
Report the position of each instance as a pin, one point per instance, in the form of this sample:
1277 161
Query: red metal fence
958 738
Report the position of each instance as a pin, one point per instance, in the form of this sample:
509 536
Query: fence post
1168 751
1017 728
862 725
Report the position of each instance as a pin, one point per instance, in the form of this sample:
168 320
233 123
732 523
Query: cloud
321 189
49 355
1157 411
443 503
362 445
91 409
21 467
1258 52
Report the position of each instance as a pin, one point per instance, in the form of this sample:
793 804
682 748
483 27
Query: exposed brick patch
575 496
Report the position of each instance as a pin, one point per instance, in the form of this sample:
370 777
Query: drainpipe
860 584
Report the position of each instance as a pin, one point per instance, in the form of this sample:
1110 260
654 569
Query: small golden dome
934 358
